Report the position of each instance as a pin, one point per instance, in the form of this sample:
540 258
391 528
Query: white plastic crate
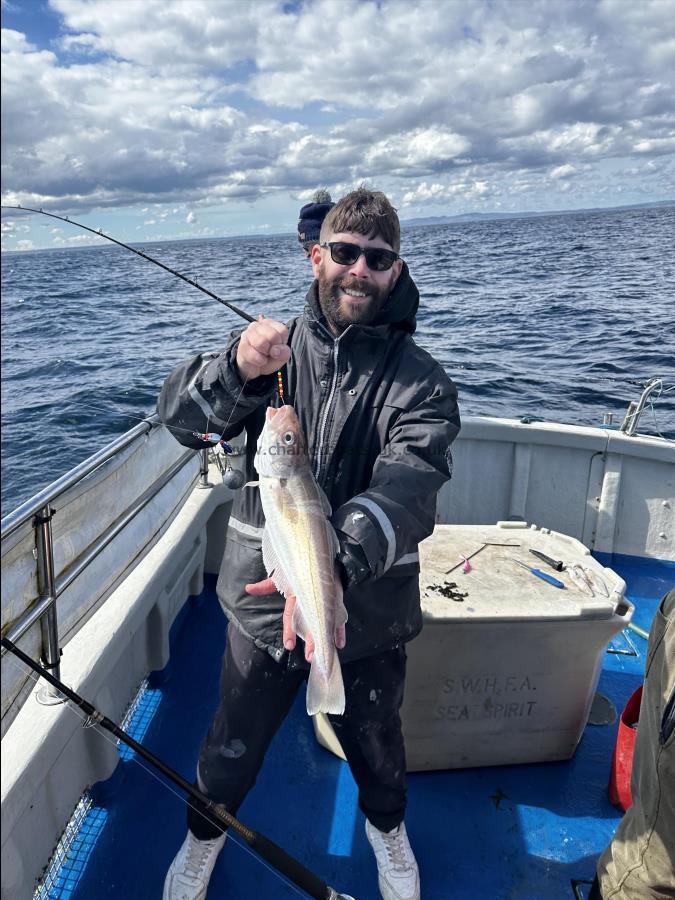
506 666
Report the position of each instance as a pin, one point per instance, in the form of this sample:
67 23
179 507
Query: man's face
353 294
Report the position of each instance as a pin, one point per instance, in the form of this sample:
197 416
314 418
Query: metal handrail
39 510
31 507
42 606
68 577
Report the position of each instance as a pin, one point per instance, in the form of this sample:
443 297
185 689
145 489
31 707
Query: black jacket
379 414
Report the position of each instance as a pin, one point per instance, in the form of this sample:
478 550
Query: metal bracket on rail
635 409
51 653
204 468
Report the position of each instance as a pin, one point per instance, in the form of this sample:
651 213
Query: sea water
560 318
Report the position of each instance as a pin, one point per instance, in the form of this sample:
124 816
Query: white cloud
655 145
436 192
423 148
564 171
215 101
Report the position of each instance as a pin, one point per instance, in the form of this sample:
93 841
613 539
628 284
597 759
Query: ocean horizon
417 222
560 317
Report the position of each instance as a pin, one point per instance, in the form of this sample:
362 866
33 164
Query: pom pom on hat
312 216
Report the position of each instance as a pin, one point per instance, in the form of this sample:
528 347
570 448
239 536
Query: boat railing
40 510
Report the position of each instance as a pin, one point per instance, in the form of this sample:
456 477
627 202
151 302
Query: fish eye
288 438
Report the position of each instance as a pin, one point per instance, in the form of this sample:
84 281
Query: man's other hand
267 586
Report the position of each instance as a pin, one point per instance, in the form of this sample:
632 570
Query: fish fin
270 560
334 539
298 623
273 566
326 695
340 608
326 508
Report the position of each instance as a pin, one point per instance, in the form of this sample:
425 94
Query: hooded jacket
379 415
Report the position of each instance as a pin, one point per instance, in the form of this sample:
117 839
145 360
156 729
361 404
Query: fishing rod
101 233
216 813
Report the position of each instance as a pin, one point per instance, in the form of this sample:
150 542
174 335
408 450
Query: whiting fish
299 550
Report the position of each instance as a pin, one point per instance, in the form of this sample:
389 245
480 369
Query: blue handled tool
543 575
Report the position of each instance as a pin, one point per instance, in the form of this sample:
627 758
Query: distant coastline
405 223
483 217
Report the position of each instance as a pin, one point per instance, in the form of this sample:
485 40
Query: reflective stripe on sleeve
385 525
205 407
407 559
244 528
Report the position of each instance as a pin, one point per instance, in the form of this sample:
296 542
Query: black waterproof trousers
369 731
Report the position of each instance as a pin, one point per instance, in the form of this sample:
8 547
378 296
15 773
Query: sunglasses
345 254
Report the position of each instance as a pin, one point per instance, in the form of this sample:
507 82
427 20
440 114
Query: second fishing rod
216 813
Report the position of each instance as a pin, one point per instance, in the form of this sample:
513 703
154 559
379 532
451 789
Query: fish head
282 449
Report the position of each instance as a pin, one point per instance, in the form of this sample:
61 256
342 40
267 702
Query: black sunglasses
345 254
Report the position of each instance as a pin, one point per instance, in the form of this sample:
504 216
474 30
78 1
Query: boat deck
528 831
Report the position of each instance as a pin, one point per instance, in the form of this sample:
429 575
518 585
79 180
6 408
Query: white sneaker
189 873
399 877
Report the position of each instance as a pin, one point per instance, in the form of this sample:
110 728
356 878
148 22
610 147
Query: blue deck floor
505 832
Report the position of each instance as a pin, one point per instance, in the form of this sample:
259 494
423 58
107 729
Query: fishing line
161 424
238 398
101 233
662 391
313 886
158 424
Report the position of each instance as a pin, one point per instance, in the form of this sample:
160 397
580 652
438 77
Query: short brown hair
364 212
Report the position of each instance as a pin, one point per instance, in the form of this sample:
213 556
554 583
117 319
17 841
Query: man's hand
267 586
263 348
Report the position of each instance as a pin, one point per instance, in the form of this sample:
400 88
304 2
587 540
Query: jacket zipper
331 395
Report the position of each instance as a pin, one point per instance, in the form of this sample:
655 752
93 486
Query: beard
340 313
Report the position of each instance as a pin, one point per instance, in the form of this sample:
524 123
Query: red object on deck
618 788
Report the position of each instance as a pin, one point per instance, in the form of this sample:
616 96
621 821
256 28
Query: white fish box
506 666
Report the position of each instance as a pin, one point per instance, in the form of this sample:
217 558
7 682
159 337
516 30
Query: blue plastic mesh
138 717
76 845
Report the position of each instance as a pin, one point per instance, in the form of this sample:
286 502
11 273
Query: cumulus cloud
214 101
564 171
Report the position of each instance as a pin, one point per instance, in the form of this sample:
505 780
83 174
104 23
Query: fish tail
326 695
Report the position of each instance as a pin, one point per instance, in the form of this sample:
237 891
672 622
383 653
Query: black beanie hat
311 220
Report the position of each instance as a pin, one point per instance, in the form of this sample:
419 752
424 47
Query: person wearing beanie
311 219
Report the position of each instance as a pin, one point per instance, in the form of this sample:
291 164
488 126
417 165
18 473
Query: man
379 415
639 863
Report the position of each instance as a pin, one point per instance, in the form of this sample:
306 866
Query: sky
175 119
